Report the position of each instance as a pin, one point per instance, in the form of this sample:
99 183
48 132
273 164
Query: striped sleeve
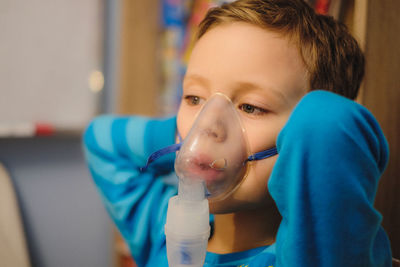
115 148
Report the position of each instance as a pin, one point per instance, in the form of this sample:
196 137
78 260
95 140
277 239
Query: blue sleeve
115 149
331 155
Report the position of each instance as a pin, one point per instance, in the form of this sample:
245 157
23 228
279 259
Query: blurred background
63 62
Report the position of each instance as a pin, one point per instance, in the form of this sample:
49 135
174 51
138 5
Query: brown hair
331 55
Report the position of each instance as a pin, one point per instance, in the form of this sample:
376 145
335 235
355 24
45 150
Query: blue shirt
331 155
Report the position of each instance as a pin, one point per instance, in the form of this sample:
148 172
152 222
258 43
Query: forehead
241 51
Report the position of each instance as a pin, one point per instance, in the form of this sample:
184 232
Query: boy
310 206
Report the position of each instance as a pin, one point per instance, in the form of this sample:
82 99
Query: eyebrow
196 78
245 86
241 85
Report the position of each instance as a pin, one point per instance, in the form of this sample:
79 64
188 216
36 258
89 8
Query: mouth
205 168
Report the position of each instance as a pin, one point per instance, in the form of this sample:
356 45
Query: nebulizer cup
211 163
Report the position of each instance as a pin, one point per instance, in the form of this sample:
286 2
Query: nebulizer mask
211 164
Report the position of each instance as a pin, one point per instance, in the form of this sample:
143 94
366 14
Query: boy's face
264 76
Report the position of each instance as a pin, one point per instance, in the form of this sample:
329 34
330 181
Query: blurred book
322 6
334 8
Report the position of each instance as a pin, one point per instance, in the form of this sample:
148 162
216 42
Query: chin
232 205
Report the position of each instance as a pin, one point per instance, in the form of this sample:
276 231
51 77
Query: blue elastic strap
263 154
159 153
175 147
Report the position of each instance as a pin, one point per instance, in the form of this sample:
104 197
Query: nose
217 130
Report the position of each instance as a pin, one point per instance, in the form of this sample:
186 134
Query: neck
244 230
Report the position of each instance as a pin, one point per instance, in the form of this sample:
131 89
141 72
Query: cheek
184 121
180 123
260 172
263 135
254 189
256 184
252 192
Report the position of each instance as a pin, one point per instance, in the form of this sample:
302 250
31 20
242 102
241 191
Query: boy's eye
250 109
193 100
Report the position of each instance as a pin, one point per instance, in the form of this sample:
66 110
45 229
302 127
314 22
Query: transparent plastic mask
215 149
